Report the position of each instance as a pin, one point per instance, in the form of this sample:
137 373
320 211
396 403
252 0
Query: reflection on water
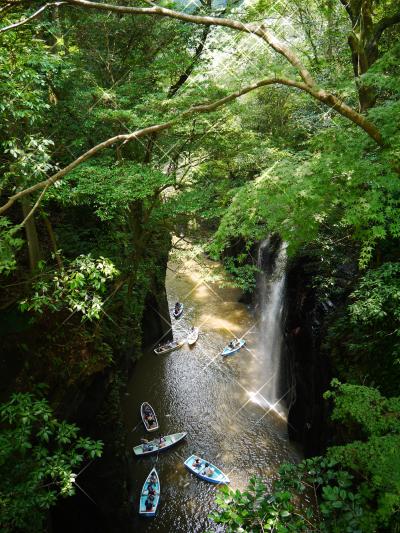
218 401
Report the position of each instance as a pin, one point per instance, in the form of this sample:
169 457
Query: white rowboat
147 411
193 336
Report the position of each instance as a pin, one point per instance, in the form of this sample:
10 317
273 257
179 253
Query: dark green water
214 399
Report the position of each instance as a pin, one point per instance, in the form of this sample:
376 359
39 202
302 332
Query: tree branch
124 138
187 72
386 23
28 19
319 94
31 212
346 4
261 31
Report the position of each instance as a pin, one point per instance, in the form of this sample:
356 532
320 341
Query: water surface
218 401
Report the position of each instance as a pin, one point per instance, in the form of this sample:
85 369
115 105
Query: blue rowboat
205 470
148 503
178 312
228 350
155 446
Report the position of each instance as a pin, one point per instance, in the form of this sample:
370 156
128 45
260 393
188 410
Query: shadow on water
218 401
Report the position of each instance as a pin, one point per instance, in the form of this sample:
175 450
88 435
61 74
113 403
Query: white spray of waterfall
271 289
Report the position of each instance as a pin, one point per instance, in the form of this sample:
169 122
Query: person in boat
234 343
150 419
166 345
153 479
196 463
161 440
148 504
177 307
209 470
151 490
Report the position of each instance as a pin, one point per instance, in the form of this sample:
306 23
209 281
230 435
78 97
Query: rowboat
148 503
178 311
193 336
205 470
154 446
228 350
147 411
168 347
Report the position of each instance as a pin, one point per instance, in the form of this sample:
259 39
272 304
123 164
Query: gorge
241 158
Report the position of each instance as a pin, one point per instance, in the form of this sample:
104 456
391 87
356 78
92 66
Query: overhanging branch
124 138
386 23
309 85
33 16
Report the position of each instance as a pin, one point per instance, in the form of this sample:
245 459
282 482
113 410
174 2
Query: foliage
78 288
308 186
363 338
274 161
244 274
335 505
376 299
354 488
9 244
111 187
256 510
38 457
375 420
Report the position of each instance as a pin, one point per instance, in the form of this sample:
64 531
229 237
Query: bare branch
347 6
187 72
31 212
28 19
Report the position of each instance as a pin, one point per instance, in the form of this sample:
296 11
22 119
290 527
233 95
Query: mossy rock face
305 325
99 412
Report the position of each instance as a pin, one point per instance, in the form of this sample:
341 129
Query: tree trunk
364 46
31 234
52 237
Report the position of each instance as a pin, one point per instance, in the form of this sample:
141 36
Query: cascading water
271 293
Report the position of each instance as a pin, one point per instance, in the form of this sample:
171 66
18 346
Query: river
218 401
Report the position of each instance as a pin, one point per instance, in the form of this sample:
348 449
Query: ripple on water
214 399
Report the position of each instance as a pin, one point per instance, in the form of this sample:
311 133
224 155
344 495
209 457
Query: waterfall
271 293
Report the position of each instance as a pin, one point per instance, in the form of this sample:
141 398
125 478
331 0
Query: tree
369 20
39 456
